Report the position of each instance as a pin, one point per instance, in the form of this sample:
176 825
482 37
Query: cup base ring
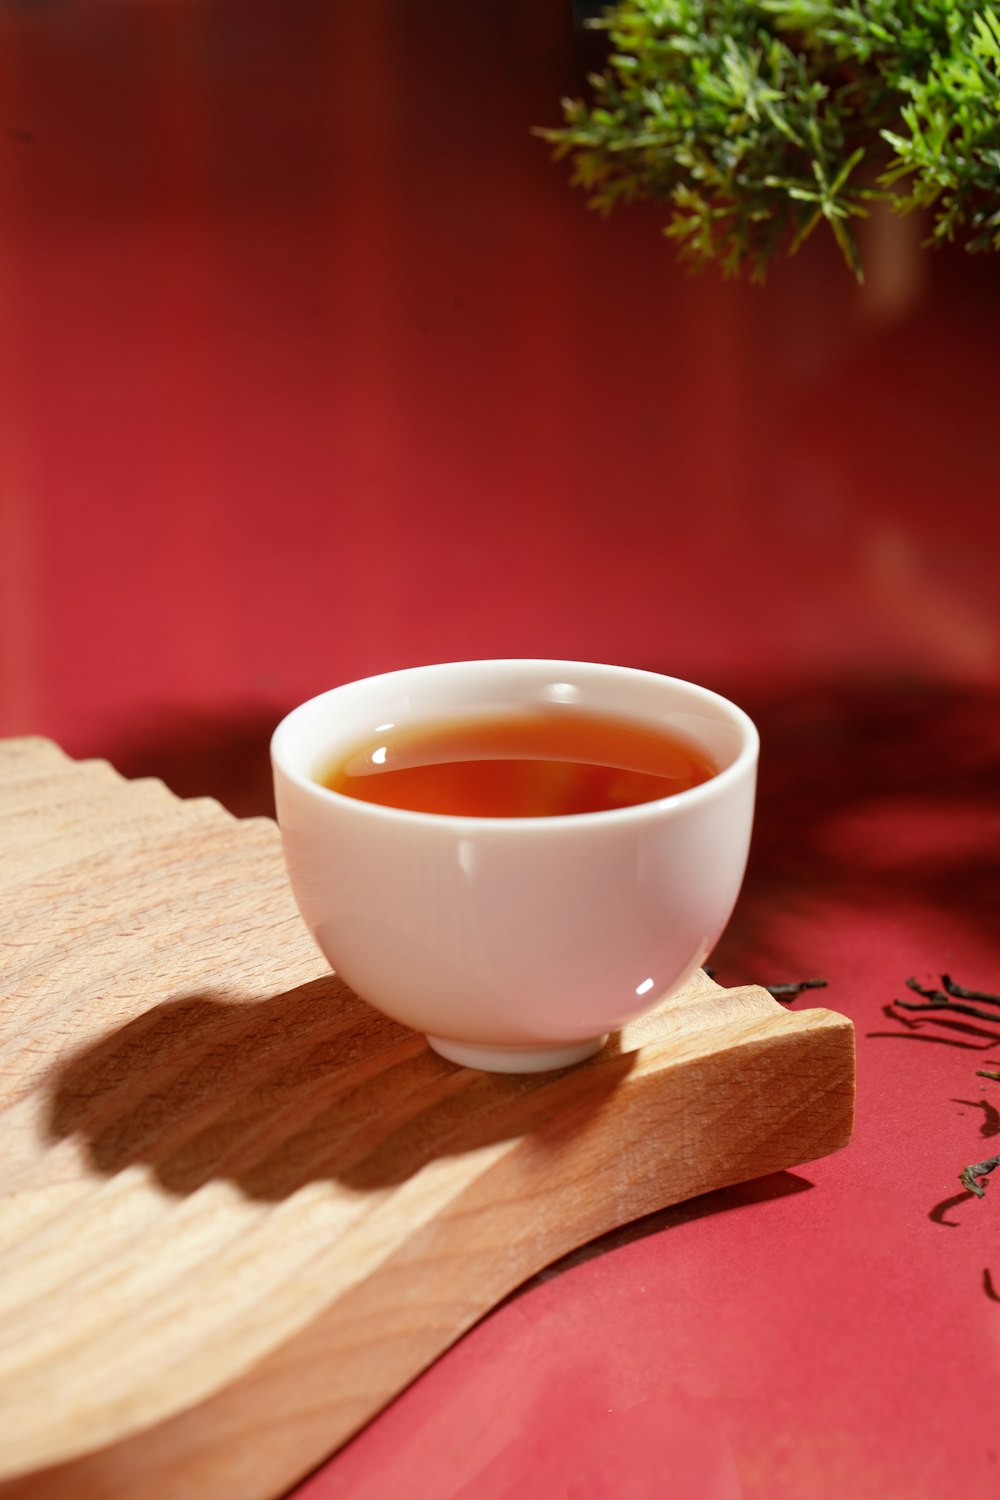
515 1059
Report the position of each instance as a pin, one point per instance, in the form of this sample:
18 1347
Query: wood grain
239 1210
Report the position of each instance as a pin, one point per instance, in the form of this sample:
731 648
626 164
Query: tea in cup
515 857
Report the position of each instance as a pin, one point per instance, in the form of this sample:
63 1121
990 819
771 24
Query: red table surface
313 367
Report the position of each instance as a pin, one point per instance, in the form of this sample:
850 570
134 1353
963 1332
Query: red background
312 366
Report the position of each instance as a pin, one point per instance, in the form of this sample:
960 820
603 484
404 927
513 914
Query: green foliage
757 120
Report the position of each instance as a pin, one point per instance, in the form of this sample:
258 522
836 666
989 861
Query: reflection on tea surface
529 763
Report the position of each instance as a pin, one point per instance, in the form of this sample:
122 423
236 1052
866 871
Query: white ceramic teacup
514 944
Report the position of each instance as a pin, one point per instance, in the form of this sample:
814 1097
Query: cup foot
515 1059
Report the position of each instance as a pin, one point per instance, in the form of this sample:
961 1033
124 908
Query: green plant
757 120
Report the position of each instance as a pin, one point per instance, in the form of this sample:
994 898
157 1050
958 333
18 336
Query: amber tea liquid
529 763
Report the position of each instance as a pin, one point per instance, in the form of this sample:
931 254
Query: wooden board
239 1210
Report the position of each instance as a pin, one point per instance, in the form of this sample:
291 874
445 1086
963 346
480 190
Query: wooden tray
239 1210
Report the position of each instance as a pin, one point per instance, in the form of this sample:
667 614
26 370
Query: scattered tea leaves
792 991
961 993
953 997
784 991
969 1178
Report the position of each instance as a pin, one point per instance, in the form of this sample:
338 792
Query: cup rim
704 791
